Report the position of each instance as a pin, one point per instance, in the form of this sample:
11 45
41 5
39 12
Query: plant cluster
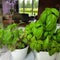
10 37
42 35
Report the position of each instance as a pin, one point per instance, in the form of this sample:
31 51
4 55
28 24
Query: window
28 6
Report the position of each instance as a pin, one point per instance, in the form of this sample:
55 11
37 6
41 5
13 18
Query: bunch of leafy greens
39 35
10 37
1 37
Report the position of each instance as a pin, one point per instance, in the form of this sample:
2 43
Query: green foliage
1 35
36 45
58 35
46 43
53 47
28 11
28 4
51 22
55 12
37 32
46 34
44 15
10 37
42 35
58 48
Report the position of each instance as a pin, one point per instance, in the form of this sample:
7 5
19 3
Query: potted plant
4 52
44 50
57 39
38 35
11 39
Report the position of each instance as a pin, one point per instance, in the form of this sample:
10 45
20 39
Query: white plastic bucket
43 56
5 54
19 54
58 56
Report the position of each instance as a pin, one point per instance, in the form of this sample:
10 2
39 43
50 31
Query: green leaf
37 32
53 47
52 51
55 11
46 43
51 22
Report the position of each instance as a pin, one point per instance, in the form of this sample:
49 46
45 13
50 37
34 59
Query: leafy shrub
40 36
10 37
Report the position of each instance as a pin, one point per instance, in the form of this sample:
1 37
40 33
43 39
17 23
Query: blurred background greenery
28 6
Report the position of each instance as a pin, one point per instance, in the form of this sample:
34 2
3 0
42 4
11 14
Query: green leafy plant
56 37
10 37
1 35
39 35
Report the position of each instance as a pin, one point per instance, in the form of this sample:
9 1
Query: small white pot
58 56
43 56
19 54
5 54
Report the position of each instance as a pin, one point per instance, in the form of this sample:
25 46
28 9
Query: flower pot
19 54
58 56
43 56
5 54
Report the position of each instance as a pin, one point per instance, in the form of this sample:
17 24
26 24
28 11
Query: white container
43 56
58 26
19 54
58 56
5 54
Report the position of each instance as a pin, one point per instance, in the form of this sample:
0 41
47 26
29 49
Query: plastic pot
43 56
19 54
58 56
5 54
